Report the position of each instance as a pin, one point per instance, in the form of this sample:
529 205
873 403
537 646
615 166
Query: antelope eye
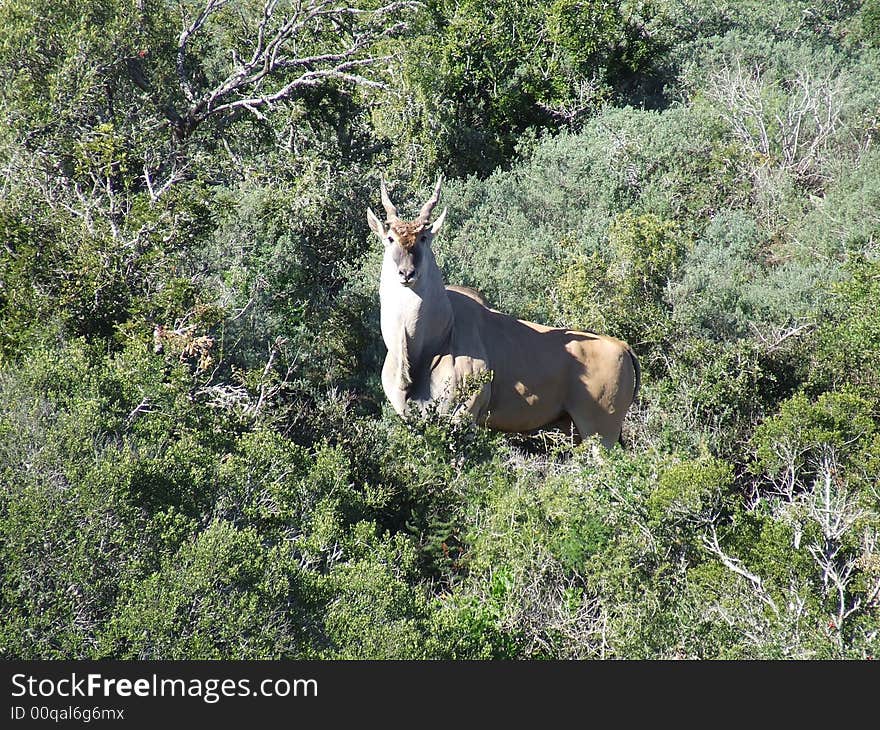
422 239
390 239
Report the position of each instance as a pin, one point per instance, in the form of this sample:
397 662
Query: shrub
870 17
473 80
622 293
221 596
515 234
727 288
849 340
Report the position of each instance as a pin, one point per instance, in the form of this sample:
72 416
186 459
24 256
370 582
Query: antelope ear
375 224
435 226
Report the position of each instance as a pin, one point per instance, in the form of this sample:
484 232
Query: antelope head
407 243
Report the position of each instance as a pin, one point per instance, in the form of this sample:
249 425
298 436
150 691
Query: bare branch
835 512
796 137
145 406
773 340
266 390
212 7
555 611
157 192
733 564
275 56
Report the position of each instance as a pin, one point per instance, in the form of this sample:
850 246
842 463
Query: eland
447 346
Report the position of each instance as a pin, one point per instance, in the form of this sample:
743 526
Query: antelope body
446 345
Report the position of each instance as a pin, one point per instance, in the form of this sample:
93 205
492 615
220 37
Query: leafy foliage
478 74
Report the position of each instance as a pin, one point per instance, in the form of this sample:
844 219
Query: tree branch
212 7
711 542
276 56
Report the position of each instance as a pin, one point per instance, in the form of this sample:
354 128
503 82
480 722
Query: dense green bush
732 287
478 74
621 289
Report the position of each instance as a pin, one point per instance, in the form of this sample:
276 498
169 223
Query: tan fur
540 375
406 233
468 292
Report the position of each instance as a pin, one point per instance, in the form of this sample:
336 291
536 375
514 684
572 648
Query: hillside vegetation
196 456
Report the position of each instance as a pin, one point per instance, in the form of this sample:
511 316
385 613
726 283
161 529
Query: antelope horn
390 210
425 212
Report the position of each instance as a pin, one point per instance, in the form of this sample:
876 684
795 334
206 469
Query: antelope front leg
442 383
390 384
477 406
467 388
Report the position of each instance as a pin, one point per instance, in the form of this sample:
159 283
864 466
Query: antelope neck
416 321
